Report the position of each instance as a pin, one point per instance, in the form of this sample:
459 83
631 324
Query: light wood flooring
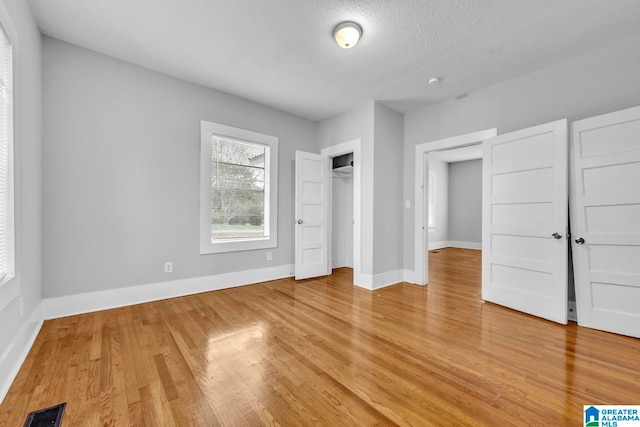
323 352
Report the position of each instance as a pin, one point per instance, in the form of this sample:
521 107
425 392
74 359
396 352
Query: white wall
465 203
121 177
16 331
438 236
599 82
342 222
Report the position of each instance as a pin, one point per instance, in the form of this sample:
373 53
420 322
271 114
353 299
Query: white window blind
6 160
238 189
431 211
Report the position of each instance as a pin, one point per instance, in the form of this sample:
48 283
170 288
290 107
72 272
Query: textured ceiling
281 52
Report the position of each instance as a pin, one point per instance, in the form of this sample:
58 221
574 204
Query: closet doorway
313 195
342 211
344 188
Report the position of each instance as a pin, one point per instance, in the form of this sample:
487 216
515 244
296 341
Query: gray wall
17 20
121 177
599 82
465 201
356 124
439 235
388 205
380 130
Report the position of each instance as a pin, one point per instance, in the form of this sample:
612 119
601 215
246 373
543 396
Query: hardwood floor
322 352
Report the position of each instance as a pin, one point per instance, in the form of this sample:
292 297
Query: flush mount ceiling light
347 34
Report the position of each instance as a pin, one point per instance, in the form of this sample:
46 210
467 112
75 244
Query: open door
311 216
524 221
606 218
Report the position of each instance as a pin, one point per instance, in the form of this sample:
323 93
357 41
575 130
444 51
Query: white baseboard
465 245
454 244
437 245
389 278
341 262
381 280
363 280
409 276
102 300
15 354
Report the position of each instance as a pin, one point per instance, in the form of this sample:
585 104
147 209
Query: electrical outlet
269 256
168 267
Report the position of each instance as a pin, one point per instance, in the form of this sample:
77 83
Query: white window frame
431 201
7 179
207 130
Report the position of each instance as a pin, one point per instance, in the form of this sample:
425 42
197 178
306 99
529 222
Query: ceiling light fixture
434 81
347 34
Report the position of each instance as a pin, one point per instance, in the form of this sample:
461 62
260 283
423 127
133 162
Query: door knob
299 221
580 240
556 236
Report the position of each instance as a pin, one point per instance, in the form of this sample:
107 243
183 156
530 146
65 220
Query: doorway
421 226
341 211
354 191
454 207
454 198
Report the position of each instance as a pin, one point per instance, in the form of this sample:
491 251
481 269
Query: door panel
606 213
524 203
311 216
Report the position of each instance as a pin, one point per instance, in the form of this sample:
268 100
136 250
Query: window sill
6 278
224 246
9 291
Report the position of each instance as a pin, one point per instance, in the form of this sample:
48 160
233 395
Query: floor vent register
48 417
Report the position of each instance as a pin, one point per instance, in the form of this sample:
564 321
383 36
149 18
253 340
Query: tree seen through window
237 189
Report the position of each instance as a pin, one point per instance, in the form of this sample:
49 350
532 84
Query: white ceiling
281 53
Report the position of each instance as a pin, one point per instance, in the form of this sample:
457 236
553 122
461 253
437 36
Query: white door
311 215
524 221
605 208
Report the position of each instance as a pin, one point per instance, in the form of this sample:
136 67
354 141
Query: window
431 211
7 266
238 194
